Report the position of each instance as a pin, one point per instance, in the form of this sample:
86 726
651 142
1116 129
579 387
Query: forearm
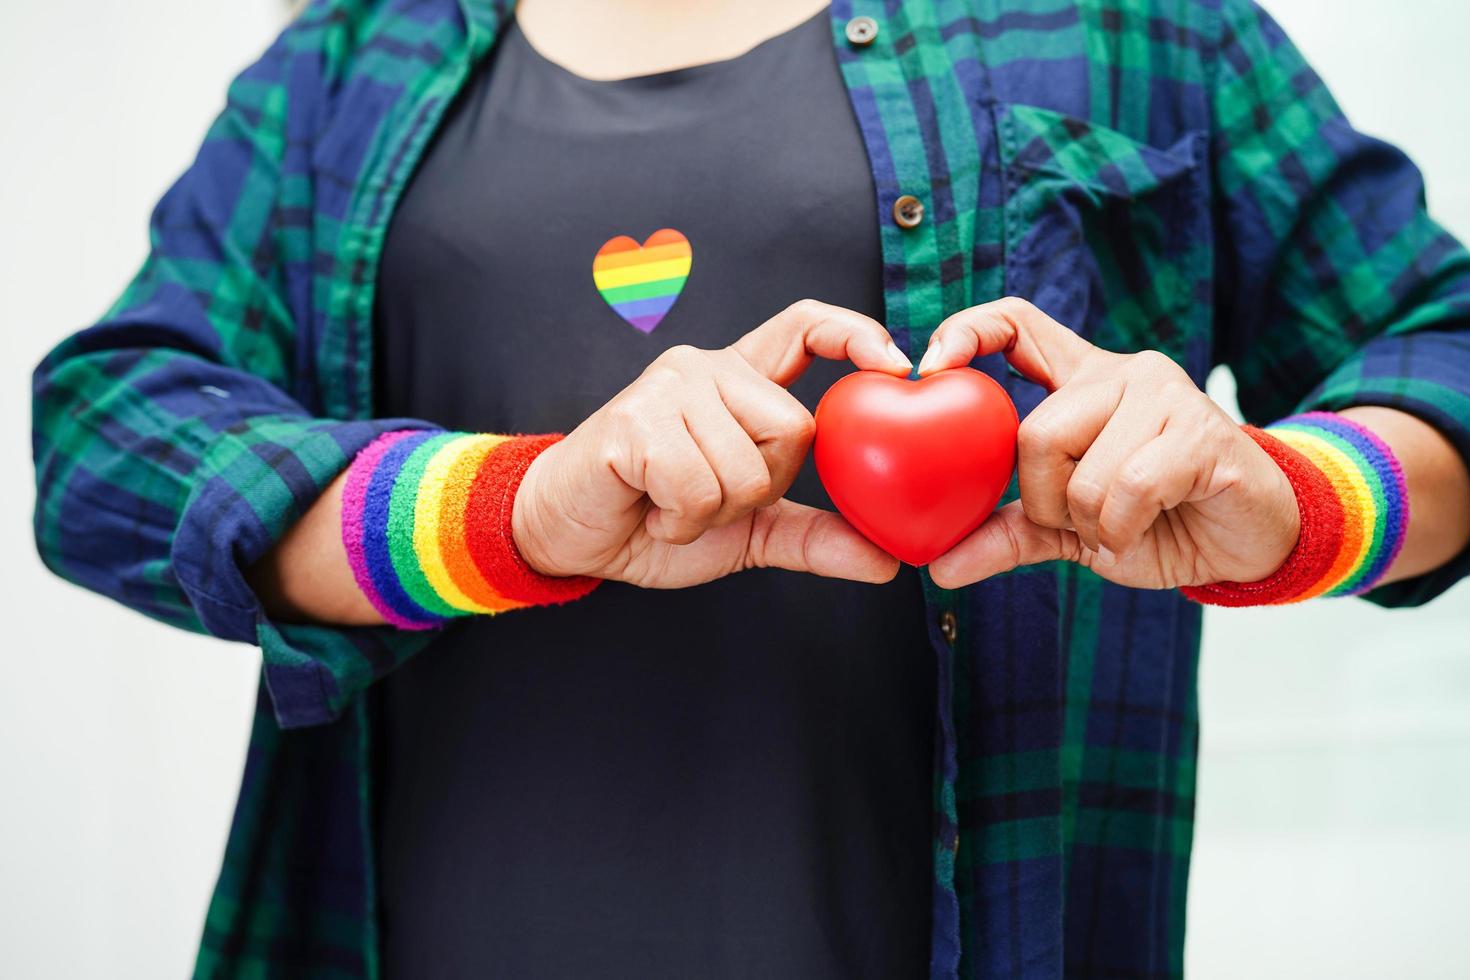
416 532
1438 487
306 577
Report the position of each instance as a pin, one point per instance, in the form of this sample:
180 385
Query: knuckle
680 358
1014 305
1085 497
1136 480
1049 512
805 309
752 488
798 425
627 413
1216 423
1228 475
786 420
1037 434
610 456
1154 363
728 360
663 374
700 500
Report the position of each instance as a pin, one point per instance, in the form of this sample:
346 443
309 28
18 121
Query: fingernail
898 357
1106 557
931 357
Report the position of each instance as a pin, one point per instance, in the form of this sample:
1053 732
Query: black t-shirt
733 780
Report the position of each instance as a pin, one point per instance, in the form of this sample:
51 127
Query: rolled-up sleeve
1335 287
172 441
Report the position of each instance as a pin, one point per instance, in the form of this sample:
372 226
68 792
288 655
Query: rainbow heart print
641 282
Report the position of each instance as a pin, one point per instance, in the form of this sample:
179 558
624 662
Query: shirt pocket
1109 235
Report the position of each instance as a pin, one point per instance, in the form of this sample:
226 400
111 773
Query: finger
780 426
739 467
1160 475
1036 345
1007 540
783 346
680 483
1135 421
805 539
1051 440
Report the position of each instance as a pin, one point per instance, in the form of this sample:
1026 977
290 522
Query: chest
1057 156
560 233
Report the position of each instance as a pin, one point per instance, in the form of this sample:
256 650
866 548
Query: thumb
804 539
1007 540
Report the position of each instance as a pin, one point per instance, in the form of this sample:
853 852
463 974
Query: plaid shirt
1153 173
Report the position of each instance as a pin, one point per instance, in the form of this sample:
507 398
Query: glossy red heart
916 465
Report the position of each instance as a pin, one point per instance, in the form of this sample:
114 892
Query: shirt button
948 627
861 31
908 211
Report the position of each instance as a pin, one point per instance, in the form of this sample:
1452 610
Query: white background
1334 810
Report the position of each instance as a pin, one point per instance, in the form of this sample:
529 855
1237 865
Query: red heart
916 465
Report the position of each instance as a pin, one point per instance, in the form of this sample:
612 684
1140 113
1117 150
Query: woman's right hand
681 478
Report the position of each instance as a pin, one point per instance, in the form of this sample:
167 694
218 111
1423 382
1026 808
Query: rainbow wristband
426 523
1354 510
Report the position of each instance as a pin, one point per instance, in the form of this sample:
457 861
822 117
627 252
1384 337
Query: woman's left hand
1126 467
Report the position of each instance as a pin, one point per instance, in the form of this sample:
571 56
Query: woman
519 717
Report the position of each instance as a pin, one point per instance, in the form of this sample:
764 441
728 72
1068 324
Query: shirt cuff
254 480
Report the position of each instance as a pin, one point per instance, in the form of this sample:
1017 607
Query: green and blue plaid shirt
1160 174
